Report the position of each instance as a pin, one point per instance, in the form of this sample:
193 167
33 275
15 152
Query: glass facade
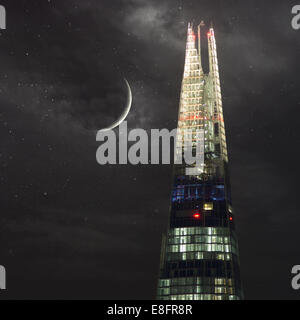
199 256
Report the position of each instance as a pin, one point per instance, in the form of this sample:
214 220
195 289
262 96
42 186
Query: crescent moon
125 112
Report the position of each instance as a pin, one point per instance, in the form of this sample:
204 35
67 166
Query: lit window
182 248
208 206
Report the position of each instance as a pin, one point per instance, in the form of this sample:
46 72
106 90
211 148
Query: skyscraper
199 255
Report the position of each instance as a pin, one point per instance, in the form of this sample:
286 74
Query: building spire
192 56
201 24
200 203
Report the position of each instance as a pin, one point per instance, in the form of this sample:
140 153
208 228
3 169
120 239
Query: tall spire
192 56
215 77
201 24
212 50
200 258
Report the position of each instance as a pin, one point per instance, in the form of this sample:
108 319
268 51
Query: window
216 129
208 206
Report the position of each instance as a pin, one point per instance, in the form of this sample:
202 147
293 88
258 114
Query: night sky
70 228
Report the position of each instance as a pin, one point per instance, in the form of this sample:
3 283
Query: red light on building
230 218
196 215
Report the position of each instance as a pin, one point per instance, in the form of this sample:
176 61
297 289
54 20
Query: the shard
199 254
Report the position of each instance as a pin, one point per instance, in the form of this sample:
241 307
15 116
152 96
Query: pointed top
190 25
202 24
